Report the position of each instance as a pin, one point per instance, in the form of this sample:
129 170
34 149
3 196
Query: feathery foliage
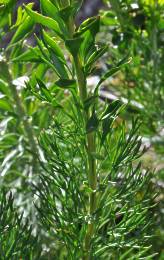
94 198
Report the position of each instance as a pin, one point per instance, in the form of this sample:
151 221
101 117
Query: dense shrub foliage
71 156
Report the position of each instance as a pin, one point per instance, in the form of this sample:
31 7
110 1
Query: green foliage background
43 153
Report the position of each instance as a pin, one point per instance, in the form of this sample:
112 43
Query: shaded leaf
95 56
51 42
65 83
74 45
92 123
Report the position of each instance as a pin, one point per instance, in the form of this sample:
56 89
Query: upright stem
92 179
91 148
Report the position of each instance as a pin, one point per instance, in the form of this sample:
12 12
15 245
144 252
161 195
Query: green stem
81 79
91 148
92 179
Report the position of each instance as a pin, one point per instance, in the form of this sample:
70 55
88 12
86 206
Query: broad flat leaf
32 55
65 13
45 21
65 83
74 45
51 60
95 56
56 55
54 46
59 65
19 17
49 9
39 70
88 29
92 24
23 30
87 47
